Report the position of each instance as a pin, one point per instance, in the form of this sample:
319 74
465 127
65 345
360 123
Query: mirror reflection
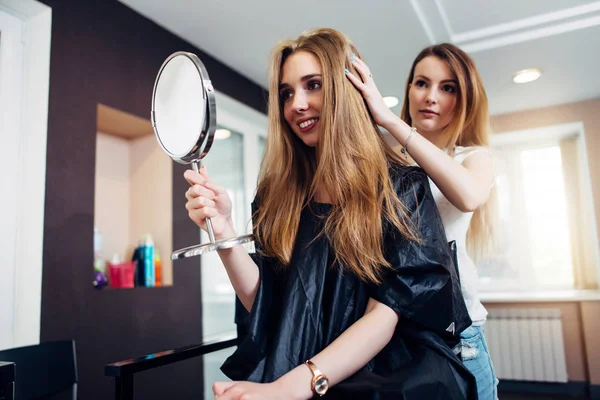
179 106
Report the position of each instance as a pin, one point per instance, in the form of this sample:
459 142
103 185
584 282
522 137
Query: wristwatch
320 383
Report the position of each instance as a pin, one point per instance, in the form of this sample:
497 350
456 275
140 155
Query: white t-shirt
456 223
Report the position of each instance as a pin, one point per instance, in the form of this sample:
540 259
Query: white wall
23 166
11 56
112 195
152 199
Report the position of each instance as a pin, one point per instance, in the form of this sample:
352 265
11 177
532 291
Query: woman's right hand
207 199
365 84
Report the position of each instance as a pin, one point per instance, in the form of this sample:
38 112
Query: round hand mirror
184 120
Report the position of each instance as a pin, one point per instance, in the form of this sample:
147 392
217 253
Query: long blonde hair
470 126
351 160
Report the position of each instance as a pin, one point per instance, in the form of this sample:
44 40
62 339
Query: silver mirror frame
197 153
206 137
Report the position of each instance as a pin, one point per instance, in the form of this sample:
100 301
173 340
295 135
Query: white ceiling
561 37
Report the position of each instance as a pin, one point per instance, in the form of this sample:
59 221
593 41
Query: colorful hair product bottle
148 256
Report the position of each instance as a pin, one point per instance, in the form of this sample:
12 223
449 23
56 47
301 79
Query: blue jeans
476 358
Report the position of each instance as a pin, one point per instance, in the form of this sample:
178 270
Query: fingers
201 207
199 215
197 178
217 189
202 178
364 77
199 191
194 178
231 391
220 387
355 81
199 202
362 68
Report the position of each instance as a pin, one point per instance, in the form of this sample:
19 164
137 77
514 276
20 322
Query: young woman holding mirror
352 292
444 127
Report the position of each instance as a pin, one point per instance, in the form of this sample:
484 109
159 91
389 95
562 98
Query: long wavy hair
469 126
351 160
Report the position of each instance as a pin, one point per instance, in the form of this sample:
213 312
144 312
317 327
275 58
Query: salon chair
7 380
124 371
38 371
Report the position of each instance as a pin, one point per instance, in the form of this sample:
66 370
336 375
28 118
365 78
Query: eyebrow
303 79
444 81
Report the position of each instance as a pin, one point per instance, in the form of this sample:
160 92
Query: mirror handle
209 227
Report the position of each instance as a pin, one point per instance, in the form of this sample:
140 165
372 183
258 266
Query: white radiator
527 344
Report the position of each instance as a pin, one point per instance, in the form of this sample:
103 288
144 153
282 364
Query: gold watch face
321 385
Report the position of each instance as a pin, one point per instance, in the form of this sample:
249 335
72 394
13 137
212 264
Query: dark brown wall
103 52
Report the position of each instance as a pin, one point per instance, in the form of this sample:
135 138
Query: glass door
233 162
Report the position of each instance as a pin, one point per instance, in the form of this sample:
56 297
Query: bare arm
466 186
351 351
207 199
242 272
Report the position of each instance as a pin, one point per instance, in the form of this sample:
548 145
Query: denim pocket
470 349
476 358
471 343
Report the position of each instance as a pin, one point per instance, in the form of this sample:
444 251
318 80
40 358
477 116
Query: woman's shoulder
410 183
403 174
462 152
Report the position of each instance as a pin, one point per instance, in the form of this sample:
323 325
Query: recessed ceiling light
221 134
390 101
527 75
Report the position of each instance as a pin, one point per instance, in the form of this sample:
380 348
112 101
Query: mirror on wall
132 204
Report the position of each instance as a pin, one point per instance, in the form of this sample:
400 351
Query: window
544 243
233 162
545 204
225 166
262 143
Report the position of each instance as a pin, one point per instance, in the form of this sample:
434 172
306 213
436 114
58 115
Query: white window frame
28 121
538 137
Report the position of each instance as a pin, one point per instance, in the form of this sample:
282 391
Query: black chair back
7 380
43 370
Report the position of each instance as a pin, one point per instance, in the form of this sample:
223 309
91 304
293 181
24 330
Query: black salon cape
299 311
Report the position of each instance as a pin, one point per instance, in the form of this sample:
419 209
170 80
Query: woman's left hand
381 113
250 391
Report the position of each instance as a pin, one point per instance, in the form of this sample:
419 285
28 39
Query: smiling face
432 96
301 94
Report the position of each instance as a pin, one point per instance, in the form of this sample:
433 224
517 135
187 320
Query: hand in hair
367 87
207 199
